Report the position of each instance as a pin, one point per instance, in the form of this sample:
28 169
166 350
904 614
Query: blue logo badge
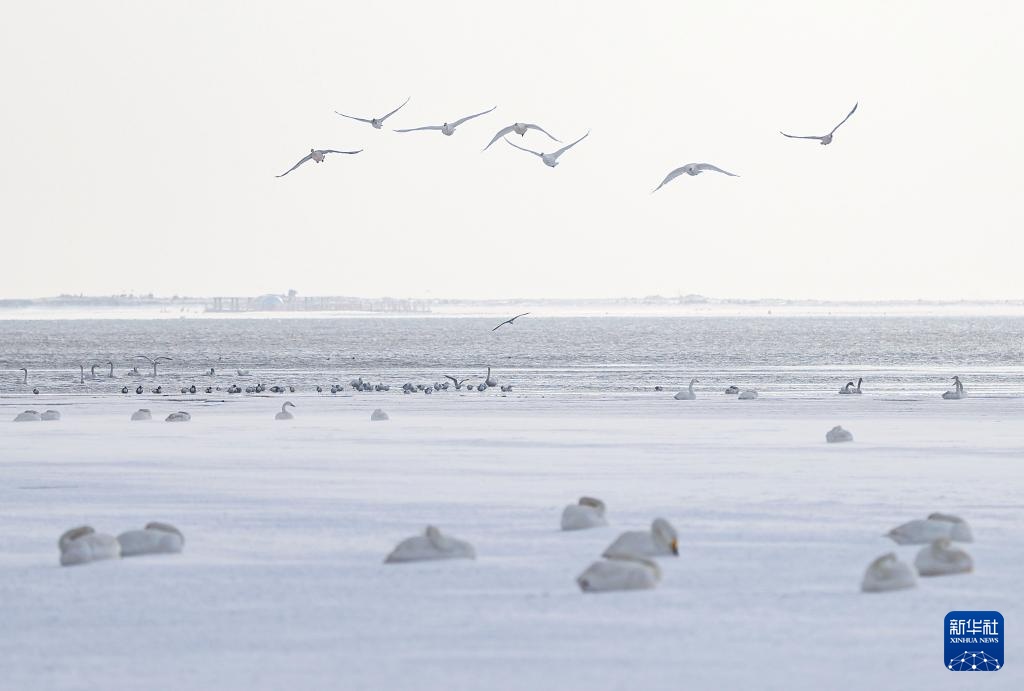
974 641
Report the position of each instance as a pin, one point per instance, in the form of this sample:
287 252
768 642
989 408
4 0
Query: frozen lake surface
281 584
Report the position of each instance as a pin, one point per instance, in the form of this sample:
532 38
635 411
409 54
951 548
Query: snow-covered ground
282 586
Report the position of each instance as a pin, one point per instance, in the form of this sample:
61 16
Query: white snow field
282 584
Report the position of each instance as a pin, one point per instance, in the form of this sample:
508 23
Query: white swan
180 416
92 371
155 538
550 160
940 558
691 169
81 374
376 123
317 155
732 390
688 394
284 414
587 513
431 545
938 525
448 128
142 414
660 540
847 388
747 395
856 389
520 129
957 392
837 434
824 139
378 415
83 545
50 415
619 574
110 374
490 381
25 380
888 573
28 416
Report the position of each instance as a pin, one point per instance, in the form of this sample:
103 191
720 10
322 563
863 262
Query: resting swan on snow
142 414
28 416
937 525
50 415
838 434
378 415
587 513
284 414
958 391
180 416
732 390
431 545
688 394
83 545
155 538
747 395
888 573
942 559
661 540
619 574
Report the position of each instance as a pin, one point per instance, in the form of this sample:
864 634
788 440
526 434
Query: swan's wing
417 129
144 357
518 315
301 161
335 151
353 117
501 133
541 129
670 177
507 321
846 118
569 146
454 380
470 117
382 118
523 148
708 166
797 136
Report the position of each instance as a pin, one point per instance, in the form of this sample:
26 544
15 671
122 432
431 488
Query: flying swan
550 160
824 139
317 155
691 169
520 129
375 122
448 128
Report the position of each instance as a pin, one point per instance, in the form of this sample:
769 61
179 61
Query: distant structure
291 302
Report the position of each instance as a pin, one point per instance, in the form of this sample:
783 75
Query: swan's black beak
675 547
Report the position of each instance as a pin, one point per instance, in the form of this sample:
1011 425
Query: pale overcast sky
141 141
